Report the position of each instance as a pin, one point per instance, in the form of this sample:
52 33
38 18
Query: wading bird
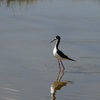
59 54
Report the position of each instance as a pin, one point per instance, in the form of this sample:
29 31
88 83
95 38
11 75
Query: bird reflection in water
58 84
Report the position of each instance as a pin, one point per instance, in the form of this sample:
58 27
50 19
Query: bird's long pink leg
62 65
59 65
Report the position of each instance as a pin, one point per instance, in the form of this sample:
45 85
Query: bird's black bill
52 40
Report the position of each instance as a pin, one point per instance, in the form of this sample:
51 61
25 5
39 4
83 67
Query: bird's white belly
57 55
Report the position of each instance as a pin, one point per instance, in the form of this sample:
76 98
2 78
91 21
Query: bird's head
56 38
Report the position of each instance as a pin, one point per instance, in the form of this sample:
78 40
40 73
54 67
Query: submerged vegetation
20 2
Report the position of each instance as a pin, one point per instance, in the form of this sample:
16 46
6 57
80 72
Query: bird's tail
71 59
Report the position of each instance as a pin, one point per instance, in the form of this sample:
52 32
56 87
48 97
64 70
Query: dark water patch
85 69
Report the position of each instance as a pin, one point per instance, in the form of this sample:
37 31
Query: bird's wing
64 56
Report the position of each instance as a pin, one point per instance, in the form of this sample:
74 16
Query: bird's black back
63 55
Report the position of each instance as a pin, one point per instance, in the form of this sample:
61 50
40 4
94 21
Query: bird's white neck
56 46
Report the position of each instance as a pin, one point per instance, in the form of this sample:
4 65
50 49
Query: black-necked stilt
59 54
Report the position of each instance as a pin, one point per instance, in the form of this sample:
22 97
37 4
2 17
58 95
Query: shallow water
27 67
